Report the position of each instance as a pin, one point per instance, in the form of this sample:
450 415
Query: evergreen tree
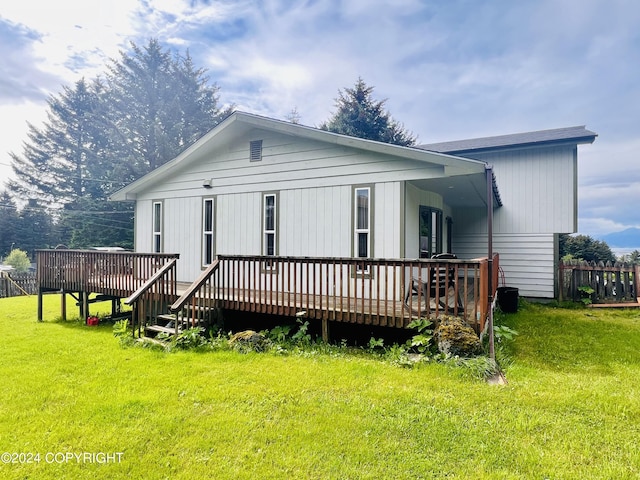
35 229
159 105
103 134
8 223
56 163
586 248
359 115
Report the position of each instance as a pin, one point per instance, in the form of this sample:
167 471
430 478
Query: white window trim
208 235
157 230
367 230
273 231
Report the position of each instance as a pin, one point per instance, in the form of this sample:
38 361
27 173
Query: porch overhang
467 190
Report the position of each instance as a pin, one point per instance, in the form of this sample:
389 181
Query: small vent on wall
255 150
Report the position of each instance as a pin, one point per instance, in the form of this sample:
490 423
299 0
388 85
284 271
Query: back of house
259 186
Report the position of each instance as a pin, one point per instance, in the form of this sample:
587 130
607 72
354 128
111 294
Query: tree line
102 134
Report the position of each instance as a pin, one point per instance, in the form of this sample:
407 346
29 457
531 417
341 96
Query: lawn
80 406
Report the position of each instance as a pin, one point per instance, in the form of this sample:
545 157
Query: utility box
508 299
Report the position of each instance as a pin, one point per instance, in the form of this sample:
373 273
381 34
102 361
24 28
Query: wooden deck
385 292
83 272
367 291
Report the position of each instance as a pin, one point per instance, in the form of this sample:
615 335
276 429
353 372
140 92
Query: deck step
161 329
199 308
168 317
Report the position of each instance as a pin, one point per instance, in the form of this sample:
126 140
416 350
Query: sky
448 69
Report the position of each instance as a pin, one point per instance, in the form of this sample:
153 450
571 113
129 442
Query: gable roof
239 123
573 135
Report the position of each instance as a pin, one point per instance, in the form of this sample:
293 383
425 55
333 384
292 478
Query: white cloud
77 36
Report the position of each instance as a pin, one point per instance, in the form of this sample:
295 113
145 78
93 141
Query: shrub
18 259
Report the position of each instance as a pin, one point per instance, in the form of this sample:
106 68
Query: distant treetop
359 115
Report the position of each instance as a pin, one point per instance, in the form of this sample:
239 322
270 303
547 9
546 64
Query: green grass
571 408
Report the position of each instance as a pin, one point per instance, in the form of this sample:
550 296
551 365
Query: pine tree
159 105
359 115
101 135
56 163
35 228
8 223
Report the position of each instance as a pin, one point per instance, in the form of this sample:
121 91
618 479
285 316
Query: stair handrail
149 283
195 286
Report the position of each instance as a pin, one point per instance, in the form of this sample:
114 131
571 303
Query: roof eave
571 141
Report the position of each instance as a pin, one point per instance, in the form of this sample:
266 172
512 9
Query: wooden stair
166 324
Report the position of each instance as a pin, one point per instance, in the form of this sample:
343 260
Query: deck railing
599 282
196 304
154 297
370 291
118 274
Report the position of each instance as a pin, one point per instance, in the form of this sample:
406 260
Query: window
208 238
362 215
255 151
430 231
269 222
449 233
157 227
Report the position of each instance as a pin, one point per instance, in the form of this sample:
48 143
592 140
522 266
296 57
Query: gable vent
255 150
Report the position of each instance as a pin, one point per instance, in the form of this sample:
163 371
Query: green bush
18 259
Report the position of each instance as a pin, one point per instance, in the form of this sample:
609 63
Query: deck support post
83 302
325 330
63 305
39 304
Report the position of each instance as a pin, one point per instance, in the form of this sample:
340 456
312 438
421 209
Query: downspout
488 169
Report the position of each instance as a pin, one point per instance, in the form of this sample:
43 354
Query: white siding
310 222
387 220
239 224
316 222
287 163
314 183
528 261
538 190
143 226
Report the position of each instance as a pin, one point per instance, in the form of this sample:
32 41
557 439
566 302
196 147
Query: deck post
325 330
39 304
63 305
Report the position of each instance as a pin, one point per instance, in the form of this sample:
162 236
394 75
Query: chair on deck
440 280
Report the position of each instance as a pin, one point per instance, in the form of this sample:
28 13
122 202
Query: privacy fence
599 282
14 284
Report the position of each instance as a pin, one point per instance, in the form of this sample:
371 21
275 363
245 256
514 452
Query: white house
259 186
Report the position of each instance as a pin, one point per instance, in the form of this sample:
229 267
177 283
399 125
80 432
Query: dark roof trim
577 135
496 193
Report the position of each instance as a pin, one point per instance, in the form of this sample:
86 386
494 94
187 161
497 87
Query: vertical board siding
537 189
528 261
143 226
315 221
386 237
239 223
183 233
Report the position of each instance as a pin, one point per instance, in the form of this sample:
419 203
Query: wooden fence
13 284
599 282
